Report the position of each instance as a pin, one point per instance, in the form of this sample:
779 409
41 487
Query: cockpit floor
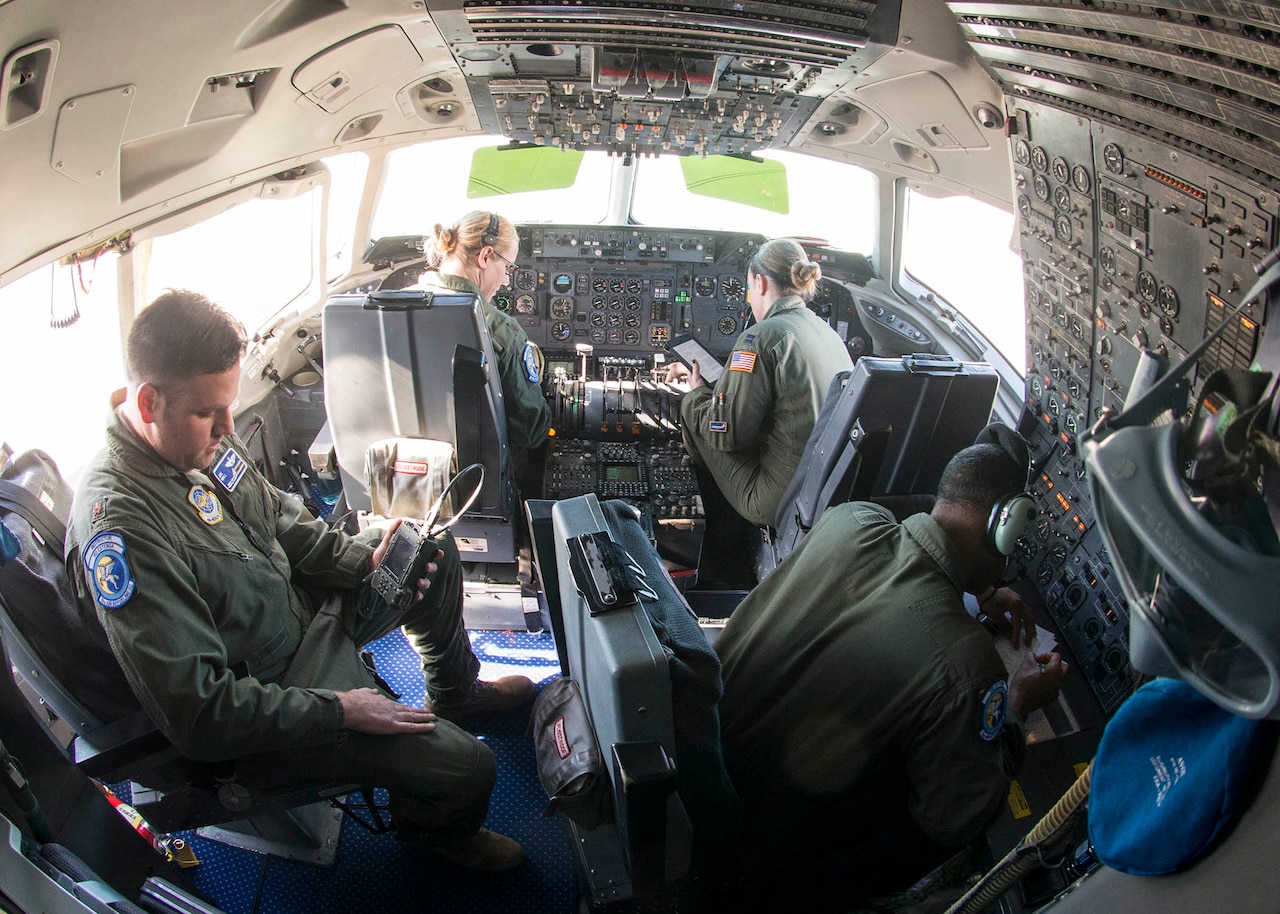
380 873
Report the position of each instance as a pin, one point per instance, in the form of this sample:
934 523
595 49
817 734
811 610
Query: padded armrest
121 749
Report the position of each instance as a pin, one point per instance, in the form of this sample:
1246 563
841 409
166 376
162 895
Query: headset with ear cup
491 233
1014 516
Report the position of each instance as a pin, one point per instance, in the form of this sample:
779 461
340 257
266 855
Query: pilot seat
413 365
886 431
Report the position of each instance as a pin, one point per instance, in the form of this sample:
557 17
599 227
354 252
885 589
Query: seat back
419 364
887 428
651 684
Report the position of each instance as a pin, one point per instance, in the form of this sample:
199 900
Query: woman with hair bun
750 430
477 254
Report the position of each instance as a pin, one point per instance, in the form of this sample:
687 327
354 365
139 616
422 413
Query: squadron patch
993 707
531 367
104 559
742 361
207 504
230 469
717 425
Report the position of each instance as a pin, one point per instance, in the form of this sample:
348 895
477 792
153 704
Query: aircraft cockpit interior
1060 218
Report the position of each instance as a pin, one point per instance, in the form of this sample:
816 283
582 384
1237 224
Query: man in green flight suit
869 724
238 618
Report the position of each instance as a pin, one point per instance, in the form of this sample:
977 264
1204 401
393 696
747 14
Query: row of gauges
1061 170
522 304
1059 407
1146 286
729 287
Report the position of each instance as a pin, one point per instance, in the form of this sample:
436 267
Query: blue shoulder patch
230 469
994 701
104 559
531 368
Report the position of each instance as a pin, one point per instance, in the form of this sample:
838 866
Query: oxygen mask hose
1049 834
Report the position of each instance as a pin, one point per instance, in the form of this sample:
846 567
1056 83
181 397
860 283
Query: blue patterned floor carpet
379 873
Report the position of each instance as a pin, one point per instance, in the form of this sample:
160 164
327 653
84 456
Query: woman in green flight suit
477 254
750 429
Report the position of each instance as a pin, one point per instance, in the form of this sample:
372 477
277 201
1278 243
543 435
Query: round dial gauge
503 303
1113 158
731 288
615 303
1024 206
633 320
524 304
599 284
1039 159
634 286
598 302
704 286
1146 286
1041 186
561 331
598 335
562 283
1074 387
617 285
615 336
631 337
1022 152
1168 301
633 303
598 319
727 326
1107 258
1071 423
615 320
526 280
1061 170
1061 197
1035 387
1124 210
1080 179
1062 227
562 307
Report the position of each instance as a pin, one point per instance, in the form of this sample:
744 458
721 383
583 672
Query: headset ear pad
1011 519
491 233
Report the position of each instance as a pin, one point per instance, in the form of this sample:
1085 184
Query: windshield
959 248
430 183
831 201
799 195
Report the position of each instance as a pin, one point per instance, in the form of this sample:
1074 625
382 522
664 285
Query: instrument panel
1132 254
627 291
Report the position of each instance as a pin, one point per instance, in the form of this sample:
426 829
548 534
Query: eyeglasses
511 267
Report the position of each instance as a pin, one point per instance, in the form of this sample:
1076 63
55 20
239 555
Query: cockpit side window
62 358
253 259
958 248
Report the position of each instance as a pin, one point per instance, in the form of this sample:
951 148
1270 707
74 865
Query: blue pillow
1170 776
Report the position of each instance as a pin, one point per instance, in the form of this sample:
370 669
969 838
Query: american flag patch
719 426
742 361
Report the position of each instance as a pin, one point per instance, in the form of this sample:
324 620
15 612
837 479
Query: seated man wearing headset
868 722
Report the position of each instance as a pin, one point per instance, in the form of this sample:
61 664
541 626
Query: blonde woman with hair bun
749 431
478 254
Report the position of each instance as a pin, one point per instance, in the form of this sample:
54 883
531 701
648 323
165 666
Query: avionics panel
1132 253
627 290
